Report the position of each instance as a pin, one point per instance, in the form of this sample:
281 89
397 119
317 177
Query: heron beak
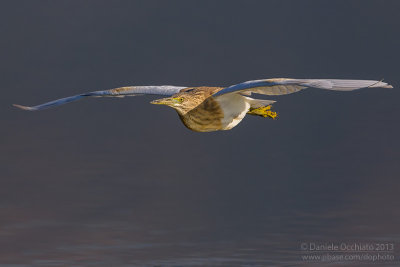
163 101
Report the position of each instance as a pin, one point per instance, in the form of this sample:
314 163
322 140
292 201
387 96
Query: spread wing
284 86
116 92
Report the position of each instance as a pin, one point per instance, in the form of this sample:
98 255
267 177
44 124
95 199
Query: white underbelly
234 107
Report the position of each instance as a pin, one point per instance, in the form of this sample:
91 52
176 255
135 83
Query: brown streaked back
206 117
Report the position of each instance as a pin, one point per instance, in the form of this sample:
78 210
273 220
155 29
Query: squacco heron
206 109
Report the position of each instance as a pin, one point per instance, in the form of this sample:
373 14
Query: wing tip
381 84
24 107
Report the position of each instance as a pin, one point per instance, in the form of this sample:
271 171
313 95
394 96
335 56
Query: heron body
206 109
207 116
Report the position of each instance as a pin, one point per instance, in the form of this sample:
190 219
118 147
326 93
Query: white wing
283 86
117 92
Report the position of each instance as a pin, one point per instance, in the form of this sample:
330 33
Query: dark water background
119 182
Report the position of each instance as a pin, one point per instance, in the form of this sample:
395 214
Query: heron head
186 100
169 101
178 102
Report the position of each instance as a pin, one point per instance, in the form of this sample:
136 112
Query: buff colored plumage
206 109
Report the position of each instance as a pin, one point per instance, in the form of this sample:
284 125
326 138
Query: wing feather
284 86
116 92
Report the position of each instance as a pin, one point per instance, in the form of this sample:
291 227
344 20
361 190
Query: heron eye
181 99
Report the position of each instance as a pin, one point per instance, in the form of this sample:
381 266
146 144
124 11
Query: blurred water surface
119 182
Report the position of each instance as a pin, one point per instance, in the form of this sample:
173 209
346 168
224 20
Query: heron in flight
206 109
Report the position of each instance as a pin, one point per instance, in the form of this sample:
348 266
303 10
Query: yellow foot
263 111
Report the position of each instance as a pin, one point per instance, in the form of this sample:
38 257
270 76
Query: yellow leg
263 111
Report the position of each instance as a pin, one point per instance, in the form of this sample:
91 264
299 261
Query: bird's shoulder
206 91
